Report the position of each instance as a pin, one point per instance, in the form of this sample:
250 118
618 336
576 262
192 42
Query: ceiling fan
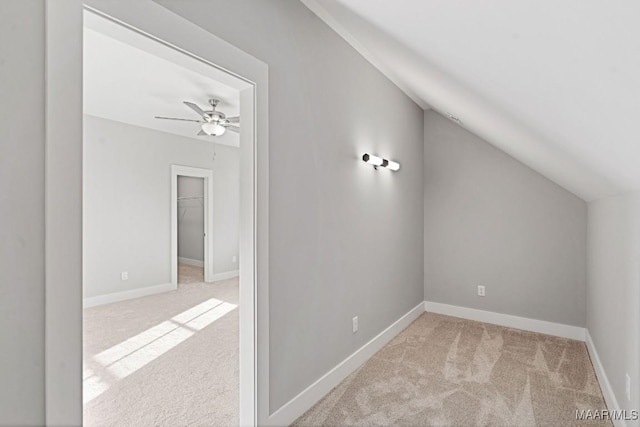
213 122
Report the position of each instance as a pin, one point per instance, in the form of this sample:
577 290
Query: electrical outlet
124 275
627 385
355 324
234 259
481 290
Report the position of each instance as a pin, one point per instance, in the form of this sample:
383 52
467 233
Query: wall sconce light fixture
378 161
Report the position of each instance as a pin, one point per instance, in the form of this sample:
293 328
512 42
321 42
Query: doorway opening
162 235
65 164
191 201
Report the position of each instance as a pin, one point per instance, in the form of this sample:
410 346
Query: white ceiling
554 84
131 85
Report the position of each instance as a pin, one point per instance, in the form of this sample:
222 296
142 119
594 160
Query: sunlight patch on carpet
129 356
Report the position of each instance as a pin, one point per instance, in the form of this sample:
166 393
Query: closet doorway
191 233
191 218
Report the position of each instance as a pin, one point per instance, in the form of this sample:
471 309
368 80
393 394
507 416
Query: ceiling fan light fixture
213 122
214 129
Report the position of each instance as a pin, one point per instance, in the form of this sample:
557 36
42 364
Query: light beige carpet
446 371
164 360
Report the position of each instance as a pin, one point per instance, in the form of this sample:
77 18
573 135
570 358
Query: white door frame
63 195
207 175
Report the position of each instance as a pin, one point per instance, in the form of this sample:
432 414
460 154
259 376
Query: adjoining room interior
191 240
438 213
158 350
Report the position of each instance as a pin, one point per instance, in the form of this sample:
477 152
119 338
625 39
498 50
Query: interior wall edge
302 402
603 379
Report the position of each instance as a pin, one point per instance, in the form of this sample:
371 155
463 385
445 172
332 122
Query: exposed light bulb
394 166
372 160
213 128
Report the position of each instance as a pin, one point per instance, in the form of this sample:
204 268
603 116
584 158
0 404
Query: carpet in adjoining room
169 359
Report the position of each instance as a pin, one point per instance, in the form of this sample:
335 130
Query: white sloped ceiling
554 84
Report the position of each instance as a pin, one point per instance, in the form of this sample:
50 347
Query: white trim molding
225 275
150 290
130 294
213 277
189 261
524 323
63 214
605 385
297 406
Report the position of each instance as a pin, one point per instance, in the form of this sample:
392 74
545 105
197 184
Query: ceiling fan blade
232 128
175 118
235 119
202 133
195 108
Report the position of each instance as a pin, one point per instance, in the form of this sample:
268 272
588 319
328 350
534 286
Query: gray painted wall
613 291
22 153
339 230
492 221
191 218
127 196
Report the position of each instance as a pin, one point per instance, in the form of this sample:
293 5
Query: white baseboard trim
189 261
533 325
125 295
605 385
224 276
297 406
